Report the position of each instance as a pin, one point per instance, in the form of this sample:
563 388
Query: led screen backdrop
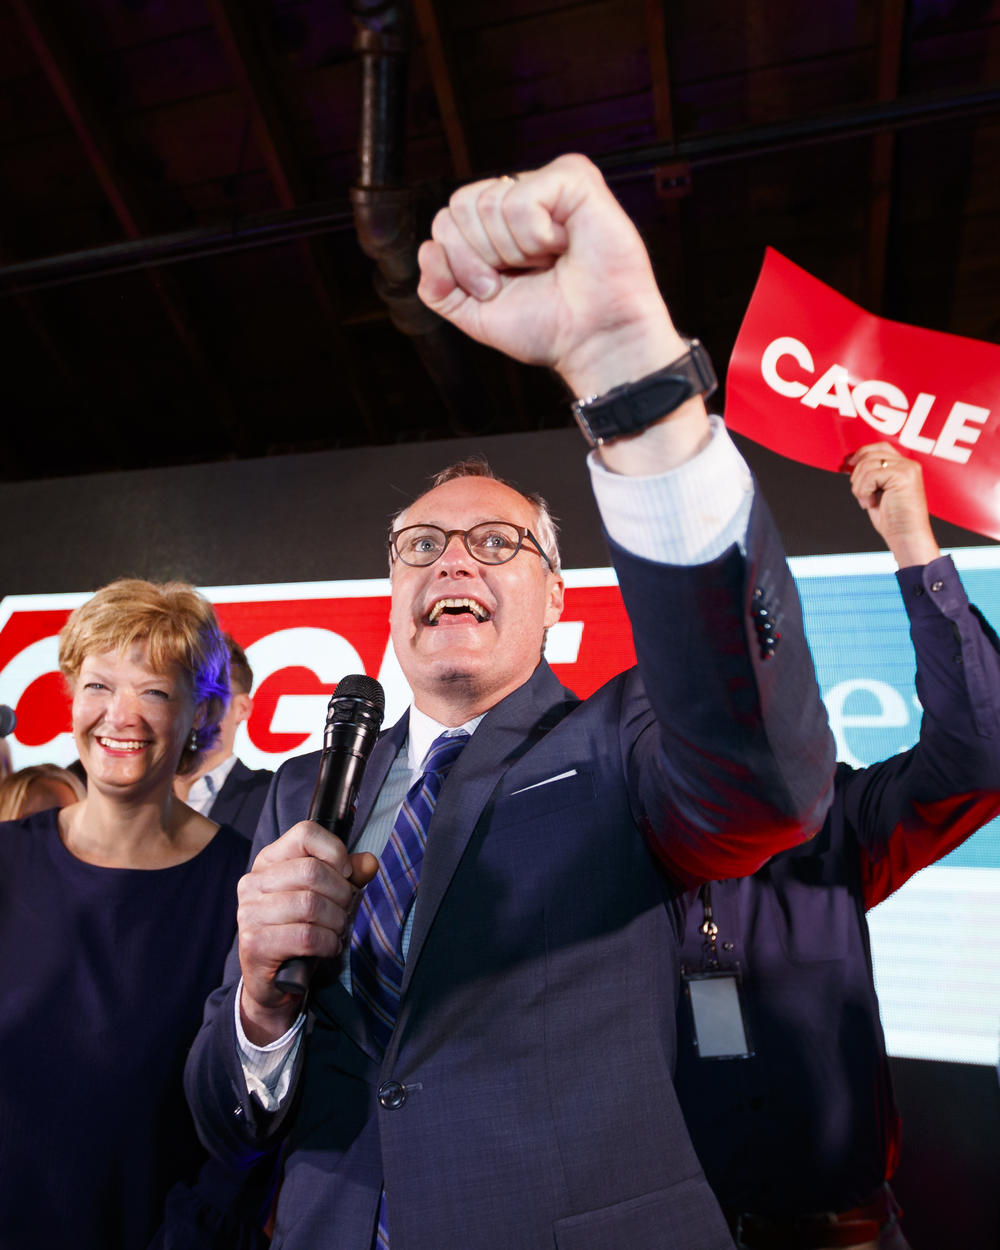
936 943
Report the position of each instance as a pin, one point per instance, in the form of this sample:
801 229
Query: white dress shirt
205 790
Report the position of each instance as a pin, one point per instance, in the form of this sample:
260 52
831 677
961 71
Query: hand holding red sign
890 488
812 375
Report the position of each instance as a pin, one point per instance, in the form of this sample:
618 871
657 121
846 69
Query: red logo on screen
299 647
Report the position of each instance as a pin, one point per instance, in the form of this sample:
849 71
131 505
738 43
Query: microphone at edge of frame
8 720
353 719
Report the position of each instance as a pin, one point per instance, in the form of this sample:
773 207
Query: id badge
720 1030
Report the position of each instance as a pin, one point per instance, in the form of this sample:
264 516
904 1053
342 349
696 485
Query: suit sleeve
231 1122
911 810
736 759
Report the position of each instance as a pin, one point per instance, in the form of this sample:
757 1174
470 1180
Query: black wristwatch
629 408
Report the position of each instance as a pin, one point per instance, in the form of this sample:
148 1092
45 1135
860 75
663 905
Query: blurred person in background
222 787
37 788
117 913
782 1072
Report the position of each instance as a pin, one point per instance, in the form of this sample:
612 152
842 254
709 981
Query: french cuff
689 515
267 1070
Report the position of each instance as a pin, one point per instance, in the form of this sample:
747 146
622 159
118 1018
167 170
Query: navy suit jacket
526 1096
241 798
798 928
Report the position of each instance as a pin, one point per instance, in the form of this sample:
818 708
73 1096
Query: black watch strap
629 408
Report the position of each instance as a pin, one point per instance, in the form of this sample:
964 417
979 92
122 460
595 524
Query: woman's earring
193 739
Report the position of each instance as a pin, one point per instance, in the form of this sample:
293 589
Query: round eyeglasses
489 542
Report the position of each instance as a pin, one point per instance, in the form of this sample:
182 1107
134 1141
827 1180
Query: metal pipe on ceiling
337 217
386 212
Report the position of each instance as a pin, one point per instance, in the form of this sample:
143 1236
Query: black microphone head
8 719
353 720
355 713
362 687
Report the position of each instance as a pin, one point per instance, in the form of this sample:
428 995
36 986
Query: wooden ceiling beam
254 84
659 70
672 178
888 60
253 80
61 76
439 62
84 117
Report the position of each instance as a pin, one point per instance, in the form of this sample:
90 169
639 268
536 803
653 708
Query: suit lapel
504 735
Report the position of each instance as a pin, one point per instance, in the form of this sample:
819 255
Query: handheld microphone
353 719
8 720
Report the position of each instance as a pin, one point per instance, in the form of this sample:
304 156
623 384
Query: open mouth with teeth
457 607
123 745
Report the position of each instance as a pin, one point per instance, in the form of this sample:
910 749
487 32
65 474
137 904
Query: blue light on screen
936 942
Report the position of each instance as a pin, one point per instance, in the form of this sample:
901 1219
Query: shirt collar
423 731
212 782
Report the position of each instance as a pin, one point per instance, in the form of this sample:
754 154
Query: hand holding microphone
353 719
300 891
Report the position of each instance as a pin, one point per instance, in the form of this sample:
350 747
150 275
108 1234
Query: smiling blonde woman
119 910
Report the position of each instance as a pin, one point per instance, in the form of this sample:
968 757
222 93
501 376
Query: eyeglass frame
522 533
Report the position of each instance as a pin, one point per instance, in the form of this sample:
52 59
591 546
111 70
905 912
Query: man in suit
792 940
223 787
519 1093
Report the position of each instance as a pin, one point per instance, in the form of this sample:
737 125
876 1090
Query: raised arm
912 809
549 269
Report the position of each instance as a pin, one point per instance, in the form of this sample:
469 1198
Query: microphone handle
334 796
332 806
294 974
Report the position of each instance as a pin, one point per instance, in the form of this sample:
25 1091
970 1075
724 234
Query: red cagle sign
300 639
815 377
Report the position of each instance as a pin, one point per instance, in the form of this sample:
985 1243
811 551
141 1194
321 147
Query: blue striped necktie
377 938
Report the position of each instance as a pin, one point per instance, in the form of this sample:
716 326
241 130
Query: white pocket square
547 782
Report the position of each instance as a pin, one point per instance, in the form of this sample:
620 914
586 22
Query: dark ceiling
182 184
